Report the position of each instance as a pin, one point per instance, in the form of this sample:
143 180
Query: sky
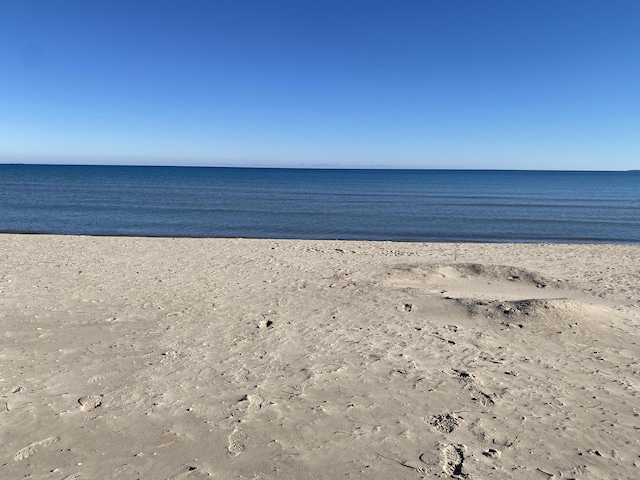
470 84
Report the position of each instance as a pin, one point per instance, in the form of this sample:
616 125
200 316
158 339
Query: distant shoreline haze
312 167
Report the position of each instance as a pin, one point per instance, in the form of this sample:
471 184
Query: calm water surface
415 205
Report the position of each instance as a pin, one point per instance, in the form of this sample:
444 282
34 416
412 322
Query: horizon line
304 167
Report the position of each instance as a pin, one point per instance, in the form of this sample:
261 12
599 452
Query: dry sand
225 358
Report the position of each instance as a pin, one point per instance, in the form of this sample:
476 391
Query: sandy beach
162 358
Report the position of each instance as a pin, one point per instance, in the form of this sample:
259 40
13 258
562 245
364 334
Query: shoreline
285 239
174 357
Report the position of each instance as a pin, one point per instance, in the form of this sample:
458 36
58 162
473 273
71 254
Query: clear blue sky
545 84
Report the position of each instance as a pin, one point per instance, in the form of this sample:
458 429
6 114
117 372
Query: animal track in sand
236 442
445 423
29 450
90 403
452 460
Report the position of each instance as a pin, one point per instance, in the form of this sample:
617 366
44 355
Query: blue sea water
412 205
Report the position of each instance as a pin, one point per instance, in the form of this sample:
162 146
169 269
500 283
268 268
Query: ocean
396 205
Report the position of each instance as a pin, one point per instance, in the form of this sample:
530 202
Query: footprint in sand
491 453
236 442
169 355
245 405
255 402
242 375
95 379
190 473
475 387
483 399
99 378
90 403
265 323
452 459
445 423
29 450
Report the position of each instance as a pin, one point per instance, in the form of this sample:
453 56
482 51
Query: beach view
319 240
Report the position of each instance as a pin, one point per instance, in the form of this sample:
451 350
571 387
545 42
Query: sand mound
533 311
477 271
505 272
